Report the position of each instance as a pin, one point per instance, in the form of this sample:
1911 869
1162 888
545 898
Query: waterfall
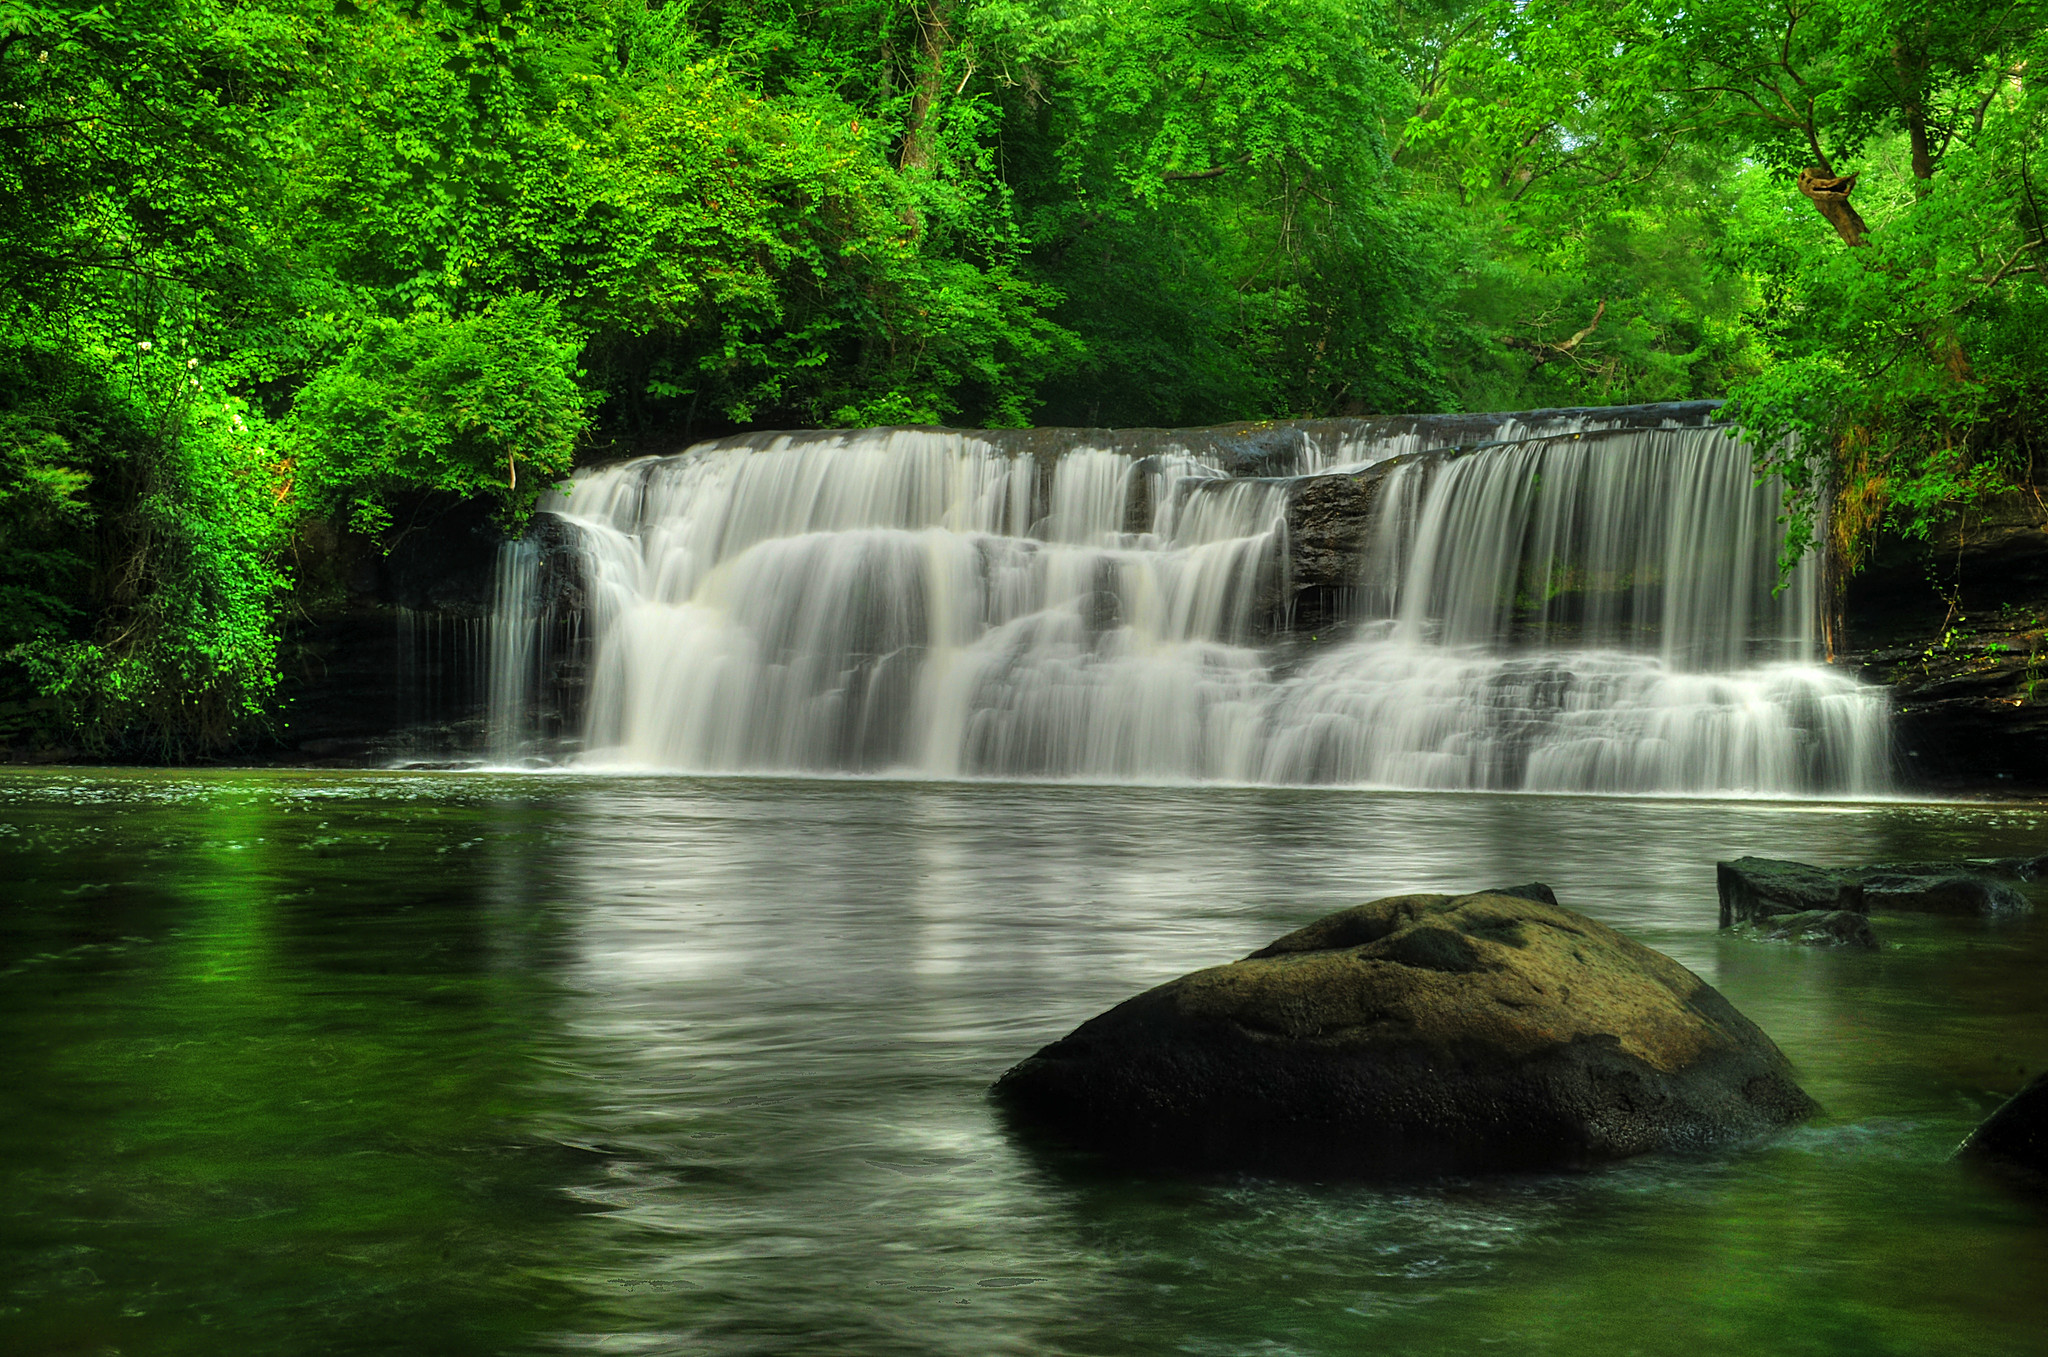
1579 602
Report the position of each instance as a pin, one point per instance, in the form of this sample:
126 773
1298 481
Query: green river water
303 1062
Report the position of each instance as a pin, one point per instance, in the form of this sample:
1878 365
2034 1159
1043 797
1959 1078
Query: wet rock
1760 889
2015 1137
1416 1034
1329 523
1941 893
1823 928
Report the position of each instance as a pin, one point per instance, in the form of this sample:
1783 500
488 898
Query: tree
1892 339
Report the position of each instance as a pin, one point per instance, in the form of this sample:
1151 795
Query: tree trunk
1912 69
1916 133
932 43
1830 196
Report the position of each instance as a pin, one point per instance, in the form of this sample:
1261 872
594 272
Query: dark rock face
1755 890
1416 1034
1941 893
1957 626
388 639
388 661
2015 1137
1823 928
1329 522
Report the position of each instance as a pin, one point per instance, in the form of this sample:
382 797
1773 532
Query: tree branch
2013 266
1213 172
1549 352
1829 194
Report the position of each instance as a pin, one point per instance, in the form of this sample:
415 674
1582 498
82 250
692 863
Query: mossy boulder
1413 1035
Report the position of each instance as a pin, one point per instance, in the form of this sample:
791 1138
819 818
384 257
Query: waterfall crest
1575 604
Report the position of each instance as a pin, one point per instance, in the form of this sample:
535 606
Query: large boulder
1416 1034
1756 890
2015 1137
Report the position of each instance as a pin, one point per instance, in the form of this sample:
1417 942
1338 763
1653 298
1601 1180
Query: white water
944 604
514 649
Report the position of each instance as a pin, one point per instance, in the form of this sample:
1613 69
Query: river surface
301 1062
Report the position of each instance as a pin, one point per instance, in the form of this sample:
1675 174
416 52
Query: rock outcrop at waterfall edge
1417 1034
1955 623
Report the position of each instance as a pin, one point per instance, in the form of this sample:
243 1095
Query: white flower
144 346
191 363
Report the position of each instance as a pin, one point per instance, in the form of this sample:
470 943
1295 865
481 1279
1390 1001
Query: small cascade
515 636
441 661
1652 540
1575 602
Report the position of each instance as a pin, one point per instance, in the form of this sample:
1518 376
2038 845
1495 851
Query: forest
273 269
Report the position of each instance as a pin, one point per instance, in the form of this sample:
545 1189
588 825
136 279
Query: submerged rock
1416 1034
2015 1137
1760 889
1823 928
1939 892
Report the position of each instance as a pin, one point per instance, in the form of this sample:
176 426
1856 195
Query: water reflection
480 1064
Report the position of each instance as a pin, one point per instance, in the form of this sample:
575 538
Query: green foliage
43 513
1911 370
1595 262
1864 237
167 496
1207 182
451 405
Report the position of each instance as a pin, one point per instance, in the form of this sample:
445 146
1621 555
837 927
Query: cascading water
515 643
1577 607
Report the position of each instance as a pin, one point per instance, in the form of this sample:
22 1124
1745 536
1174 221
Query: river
304 1062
